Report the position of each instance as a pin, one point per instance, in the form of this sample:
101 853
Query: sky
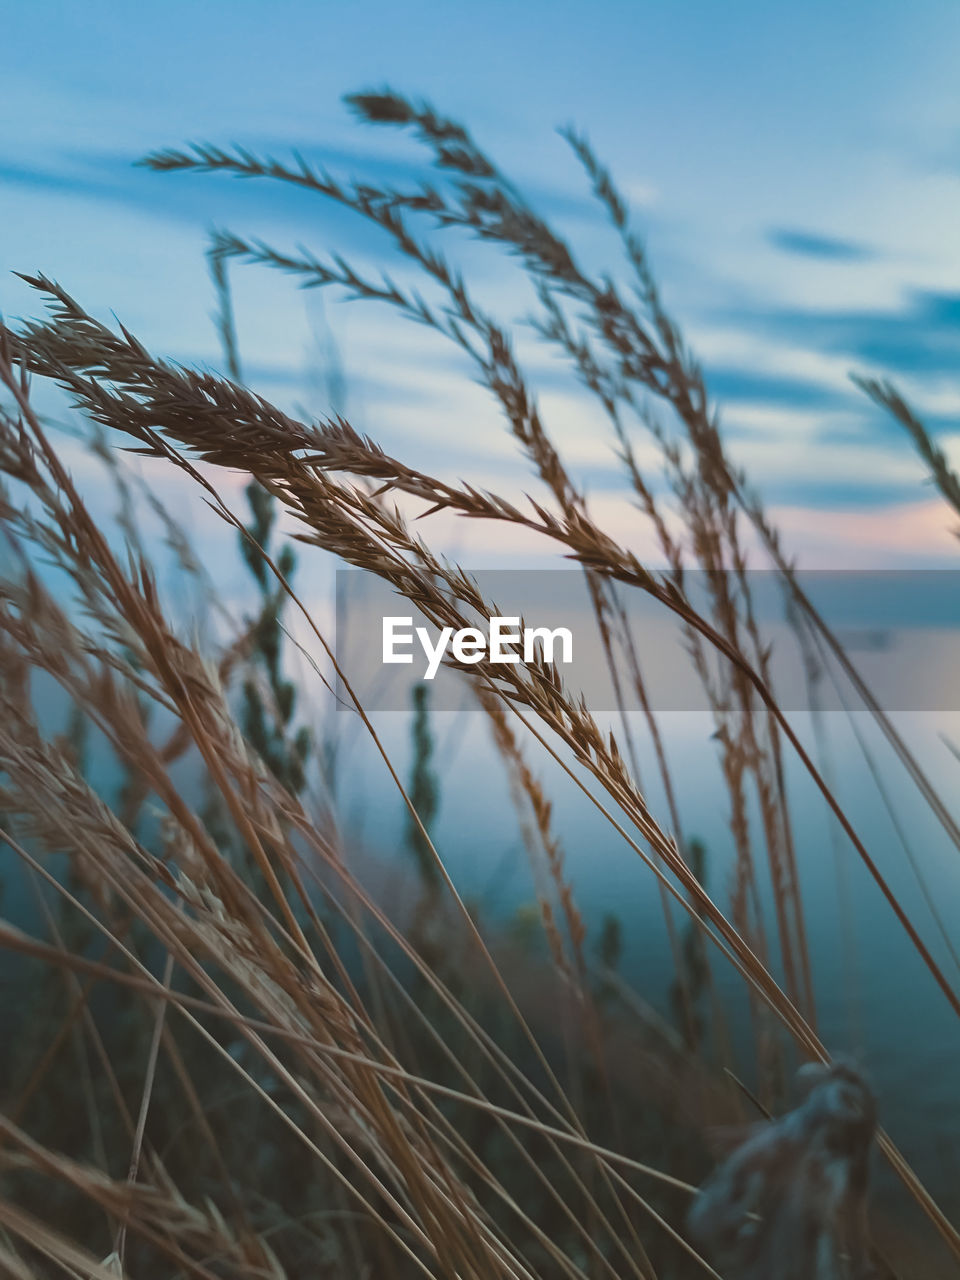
795 172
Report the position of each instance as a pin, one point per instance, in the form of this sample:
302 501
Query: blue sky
796 171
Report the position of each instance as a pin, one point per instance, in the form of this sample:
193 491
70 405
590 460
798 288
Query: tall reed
276 1073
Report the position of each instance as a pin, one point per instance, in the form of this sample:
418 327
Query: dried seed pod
790 1202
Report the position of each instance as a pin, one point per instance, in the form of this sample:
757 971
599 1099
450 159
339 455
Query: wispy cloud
810 244
888 534
920 337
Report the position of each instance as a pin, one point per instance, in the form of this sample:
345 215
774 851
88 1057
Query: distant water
874 997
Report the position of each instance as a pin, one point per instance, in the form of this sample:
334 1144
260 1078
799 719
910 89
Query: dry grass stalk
257 956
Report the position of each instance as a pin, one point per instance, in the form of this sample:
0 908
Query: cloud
918 340
760 386
894 534
810 244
